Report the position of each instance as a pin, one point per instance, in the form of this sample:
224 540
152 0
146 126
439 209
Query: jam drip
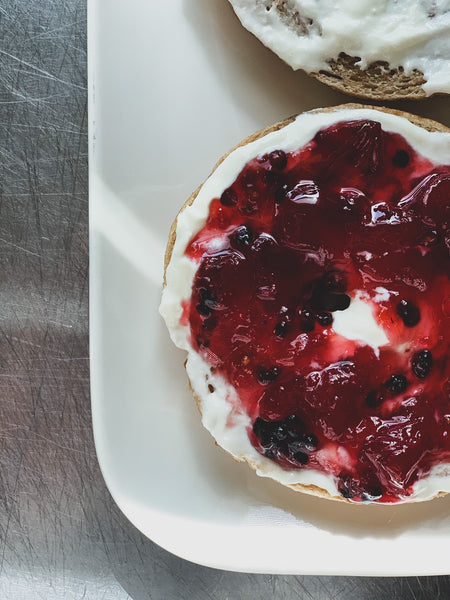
354 220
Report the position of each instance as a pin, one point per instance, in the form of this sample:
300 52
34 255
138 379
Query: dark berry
421 363
242 236
266 376
279 432
324 318
263 431
297 440
396 383
408 312
270 433
281 329
228 197
374 399
400 159
301 457
295 445
278 159
203 310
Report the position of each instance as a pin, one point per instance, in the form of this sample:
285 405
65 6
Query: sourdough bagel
378 50
323 464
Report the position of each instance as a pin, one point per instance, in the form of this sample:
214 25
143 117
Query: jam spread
355 219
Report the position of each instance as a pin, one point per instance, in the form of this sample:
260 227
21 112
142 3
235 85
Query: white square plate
172 86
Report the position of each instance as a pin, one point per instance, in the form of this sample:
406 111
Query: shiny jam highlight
356 218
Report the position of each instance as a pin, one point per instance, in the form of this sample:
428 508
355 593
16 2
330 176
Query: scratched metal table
61 534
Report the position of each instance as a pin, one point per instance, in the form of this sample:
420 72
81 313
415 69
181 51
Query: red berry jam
355 214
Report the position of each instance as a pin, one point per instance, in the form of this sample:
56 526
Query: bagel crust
312 488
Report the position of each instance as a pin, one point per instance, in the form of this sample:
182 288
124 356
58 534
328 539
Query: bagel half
211 390
377 50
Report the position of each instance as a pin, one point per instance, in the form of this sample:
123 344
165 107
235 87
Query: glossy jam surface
354 223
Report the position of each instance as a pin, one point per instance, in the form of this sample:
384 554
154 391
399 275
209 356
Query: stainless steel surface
61 536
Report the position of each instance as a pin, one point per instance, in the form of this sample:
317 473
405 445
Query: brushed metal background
61 536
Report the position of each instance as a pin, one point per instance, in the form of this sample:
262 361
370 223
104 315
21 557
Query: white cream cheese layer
414 34
221 413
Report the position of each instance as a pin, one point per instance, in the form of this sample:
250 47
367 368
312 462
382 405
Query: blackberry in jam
408 312
422 362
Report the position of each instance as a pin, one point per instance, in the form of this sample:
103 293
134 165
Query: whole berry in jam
301 457
281 329
265 431
285 438
396 384
228 197
278 159
421 363
400 159
408 312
